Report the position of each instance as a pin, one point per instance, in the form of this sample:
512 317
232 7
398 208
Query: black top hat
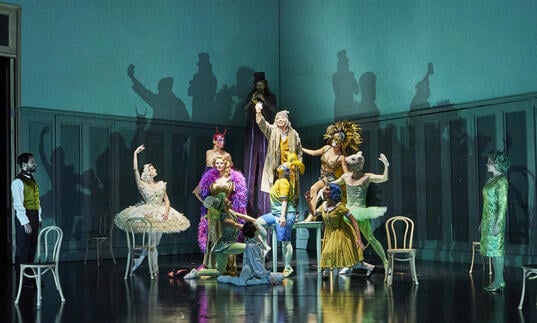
259 76
342 55
203 59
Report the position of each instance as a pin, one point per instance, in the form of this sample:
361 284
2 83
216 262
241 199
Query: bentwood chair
102 235
529 272
476 248
49 243
400 233
139 233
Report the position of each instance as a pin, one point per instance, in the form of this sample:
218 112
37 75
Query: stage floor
446 293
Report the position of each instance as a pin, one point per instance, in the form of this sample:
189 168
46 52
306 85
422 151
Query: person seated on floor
220 213
253 268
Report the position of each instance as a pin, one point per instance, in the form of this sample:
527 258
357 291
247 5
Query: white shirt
17 191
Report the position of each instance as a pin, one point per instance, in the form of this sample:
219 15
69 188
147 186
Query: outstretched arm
316 152
135 164
242 216
261 122
342 179
233 223
381 178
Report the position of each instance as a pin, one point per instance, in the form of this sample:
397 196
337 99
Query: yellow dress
339 247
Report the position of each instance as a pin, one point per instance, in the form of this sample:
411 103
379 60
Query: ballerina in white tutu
155 207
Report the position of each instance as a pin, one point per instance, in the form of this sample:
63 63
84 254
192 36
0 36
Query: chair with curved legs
476 248
529 272
139 233
49 243
400 233
101 236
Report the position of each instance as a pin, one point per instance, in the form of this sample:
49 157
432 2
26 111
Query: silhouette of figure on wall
345 87
223 104
127 194
423 91
203 90
368 87
241 90
66 194
165 104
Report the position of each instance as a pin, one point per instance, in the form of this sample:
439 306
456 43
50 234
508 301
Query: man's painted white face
281 122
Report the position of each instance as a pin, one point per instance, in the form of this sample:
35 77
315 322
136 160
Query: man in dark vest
25 195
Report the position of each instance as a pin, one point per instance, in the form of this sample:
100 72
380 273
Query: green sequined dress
494 212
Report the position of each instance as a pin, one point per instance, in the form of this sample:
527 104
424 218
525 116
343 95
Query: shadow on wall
423 92
346 87
69 193
165 104
209 104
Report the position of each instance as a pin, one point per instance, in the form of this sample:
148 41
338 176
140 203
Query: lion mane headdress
351 135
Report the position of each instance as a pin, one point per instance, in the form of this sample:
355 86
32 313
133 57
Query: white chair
139 232
49 242
476 247
529 272
400 232
102 235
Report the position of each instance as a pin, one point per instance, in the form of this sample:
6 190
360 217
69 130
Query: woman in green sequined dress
492 225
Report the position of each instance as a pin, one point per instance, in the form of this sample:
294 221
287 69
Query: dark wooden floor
446 293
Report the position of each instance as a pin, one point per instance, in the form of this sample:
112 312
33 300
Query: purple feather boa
239 200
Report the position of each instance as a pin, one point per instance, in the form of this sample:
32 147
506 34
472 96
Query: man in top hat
261 92
255 144
202 89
